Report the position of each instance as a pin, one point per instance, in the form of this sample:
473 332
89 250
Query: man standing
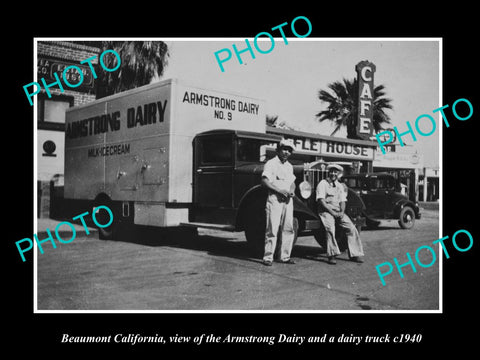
331 199
279 179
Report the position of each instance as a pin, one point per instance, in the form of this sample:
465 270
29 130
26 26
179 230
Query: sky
290 76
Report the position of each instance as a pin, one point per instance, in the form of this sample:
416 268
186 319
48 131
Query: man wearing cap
331 200
279 179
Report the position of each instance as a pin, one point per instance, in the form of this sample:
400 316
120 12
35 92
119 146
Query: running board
209 226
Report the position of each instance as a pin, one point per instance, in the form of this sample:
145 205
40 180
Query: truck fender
255 196
299 207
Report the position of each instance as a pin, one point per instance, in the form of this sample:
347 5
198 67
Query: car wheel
406 219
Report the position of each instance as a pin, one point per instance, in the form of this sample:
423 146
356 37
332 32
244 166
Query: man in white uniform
279 179
332 199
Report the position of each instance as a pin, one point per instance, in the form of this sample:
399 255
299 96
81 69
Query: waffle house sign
365 71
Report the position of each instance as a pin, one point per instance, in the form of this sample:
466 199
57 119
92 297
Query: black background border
42 332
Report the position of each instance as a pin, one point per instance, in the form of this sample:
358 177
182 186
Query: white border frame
440 153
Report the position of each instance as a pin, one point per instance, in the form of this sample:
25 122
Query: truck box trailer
135 147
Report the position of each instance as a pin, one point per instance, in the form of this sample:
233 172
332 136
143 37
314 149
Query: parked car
383 199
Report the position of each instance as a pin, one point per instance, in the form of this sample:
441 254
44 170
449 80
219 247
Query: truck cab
227 164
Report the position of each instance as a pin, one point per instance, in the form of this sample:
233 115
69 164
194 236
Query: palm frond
141 61
340 100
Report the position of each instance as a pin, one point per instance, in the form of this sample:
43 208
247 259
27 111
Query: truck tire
406 219
255 222
319 236
106 233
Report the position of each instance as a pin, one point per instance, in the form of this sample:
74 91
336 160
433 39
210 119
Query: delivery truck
170 154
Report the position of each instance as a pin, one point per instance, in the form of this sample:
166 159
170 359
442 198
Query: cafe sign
365 71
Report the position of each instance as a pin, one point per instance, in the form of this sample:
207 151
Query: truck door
213 172
127 175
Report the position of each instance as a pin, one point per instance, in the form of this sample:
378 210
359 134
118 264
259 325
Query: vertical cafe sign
365 71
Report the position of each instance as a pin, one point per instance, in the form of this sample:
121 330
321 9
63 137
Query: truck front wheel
255 223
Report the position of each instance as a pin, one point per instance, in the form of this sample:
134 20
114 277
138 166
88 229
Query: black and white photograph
187 157
249 181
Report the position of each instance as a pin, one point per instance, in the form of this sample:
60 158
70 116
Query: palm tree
141 61
342 106
272 120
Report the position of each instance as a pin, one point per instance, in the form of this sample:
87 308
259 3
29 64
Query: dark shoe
267 262
289 261
331 260
356 259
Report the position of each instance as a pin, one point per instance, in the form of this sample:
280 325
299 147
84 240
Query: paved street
214 271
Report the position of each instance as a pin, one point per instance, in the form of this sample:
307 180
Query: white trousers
354 243
279 228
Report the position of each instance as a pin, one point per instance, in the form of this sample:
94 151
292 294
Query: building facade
53 57
429 184
405 164
356 156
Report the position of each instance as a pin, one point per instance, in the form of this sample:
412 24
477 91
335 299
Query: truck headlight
305 189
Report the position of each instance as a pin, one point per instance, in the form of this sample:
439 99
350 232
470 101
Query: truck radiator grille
314 176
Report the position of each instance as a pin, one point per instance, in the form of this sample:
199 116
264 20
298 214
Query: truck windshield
253 150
